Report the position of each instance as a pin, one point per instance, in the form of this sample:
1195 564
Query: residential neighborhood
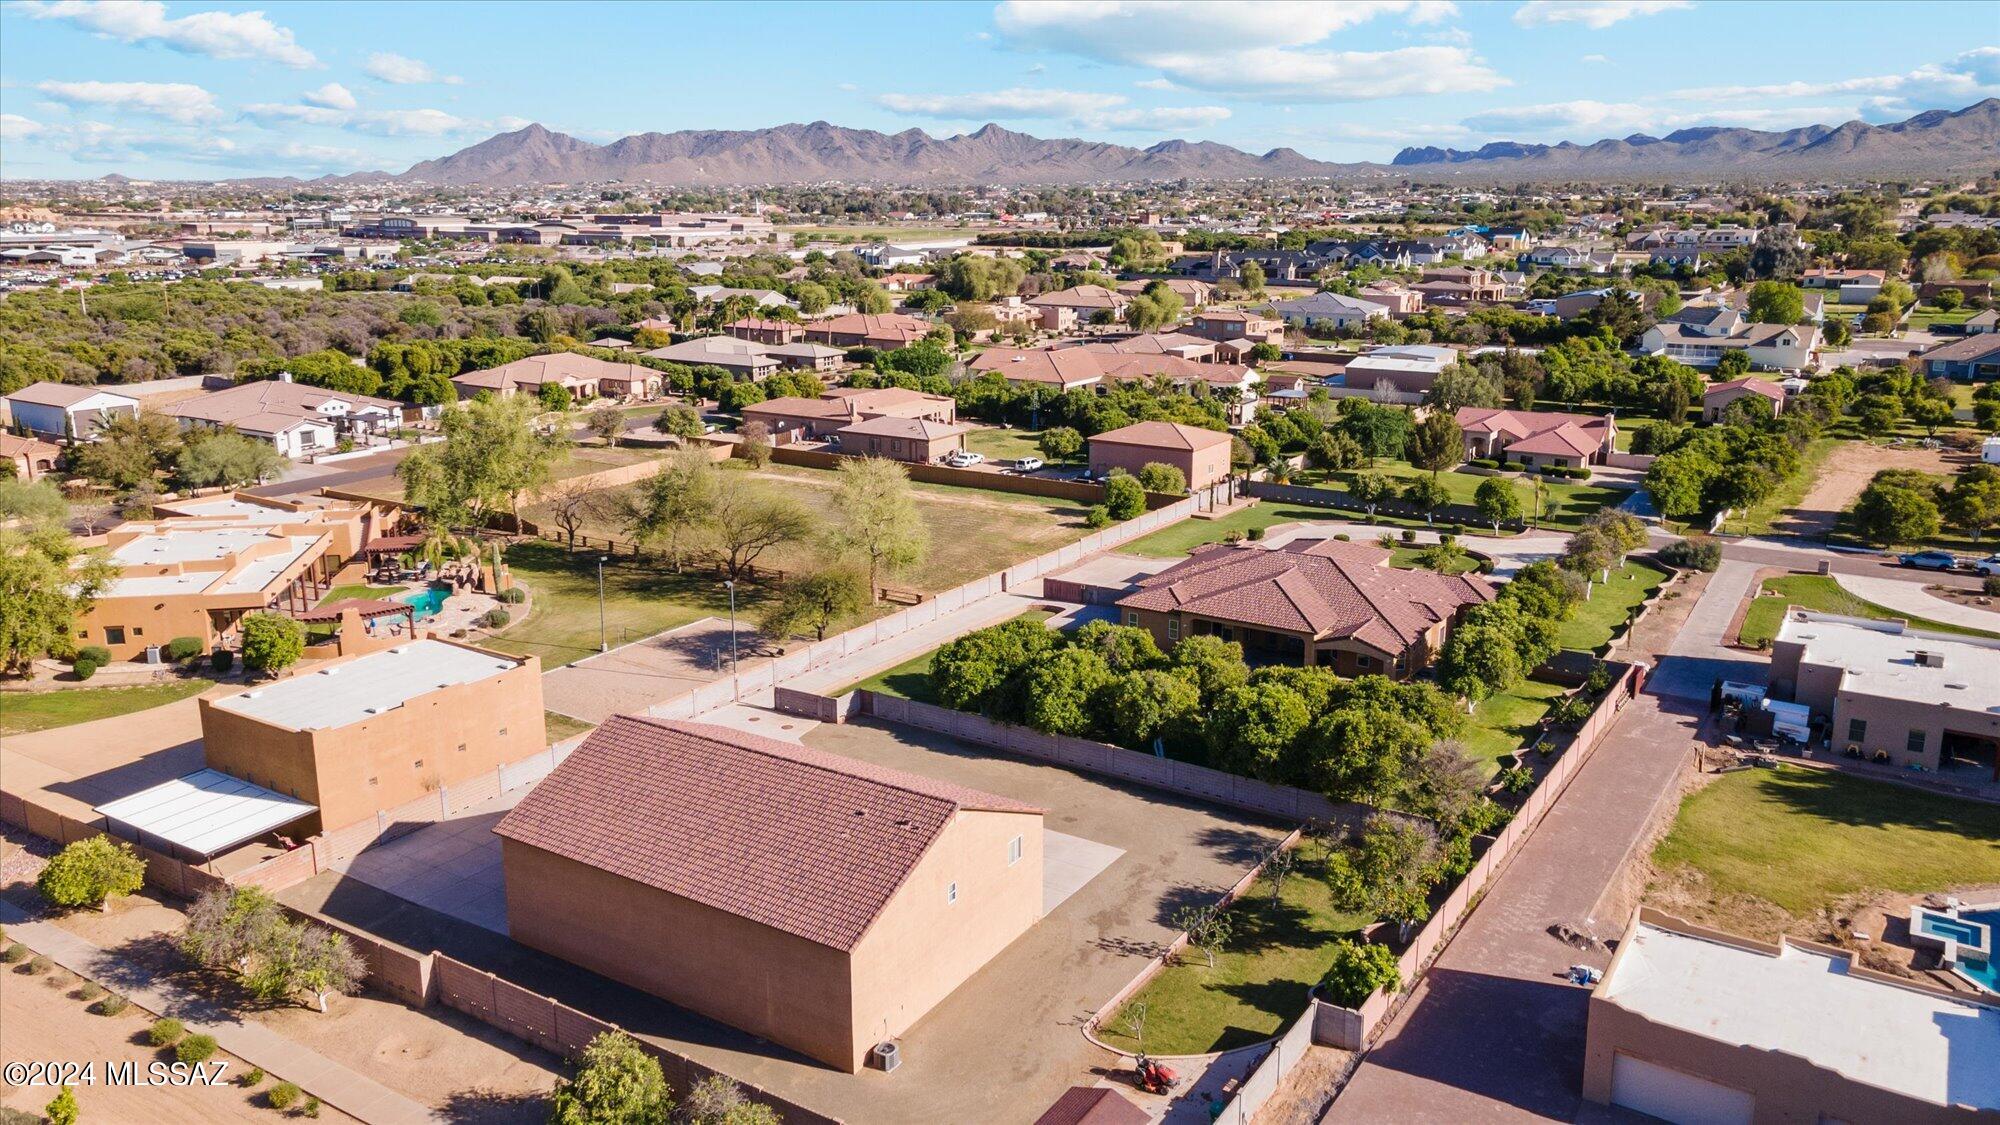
1344 577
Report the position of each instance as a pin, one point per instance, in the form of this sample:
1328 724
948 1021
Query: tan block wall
923 947
353 772
764 981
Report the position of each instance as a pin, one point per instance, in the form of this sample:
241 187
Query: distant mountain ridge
1935 142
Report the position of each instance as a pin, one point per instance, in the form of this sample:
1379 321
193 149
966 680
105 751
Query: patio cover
204 813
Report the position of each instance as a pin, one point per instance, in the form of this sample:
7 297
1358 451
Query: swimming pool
1965 932
427 601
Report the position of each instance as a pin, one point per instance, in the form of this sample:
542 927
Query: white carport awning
205 812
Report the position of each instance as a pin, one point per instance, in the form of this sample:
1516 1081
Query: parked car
1988 566
1027 464
1929 560
963 458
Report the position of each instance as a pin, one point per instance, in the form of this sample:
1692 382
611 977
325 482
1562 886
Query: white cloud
401 70
14 127
511 124
1596 14
218 35
1155 84
1083 108
1595 59
376 122
175 101
1586 121
332 96
1966 78
1257 51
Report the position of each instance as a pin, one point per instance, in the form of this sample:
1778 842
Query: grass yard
1411 558
912 678
1610 606
25 711
1502 723
562 726
640 599
1004 444
1569 503
1822 594
1804 839
1924 316
1261 975
342 593
1185 536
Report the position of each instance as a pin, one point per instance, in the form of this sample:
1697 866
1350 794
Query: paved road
1493 1032
1698 657
1909 597
1775 552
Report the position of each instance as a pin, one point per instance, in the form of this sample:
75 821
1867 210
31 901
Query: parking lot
1005 1044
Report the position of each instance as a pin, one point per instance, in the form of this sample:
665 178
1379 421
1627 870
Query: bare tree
572 506
756 447
1207 927
744 524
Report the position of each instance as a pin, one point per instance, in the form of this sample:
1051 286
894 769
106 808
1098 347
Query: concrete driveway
1909 597
633 677
1698 657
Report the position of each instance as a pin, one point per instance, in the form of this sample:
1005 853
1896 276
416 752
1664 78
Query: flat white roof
1913 1042
205 812
1880 659
352 690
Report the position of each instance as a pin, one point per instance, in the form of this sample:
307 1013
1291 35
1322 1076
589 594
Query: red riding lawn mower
1153 1076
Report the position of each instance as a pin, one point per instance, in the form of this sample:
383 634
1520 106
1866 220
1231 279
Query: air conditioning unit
1930 659
886 1056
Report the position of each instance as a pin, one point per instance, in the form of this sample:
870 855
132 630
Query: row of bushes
180 650
1581 472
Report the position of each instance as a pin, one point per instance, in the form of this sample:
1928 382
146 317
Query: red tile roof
1749 383
797 839
1163 435
1093 1105
1325 588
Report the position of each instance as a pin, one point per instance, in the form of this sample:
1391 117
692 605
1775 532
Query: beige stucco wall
923 947
1889 721
1202 467
761 980
441 738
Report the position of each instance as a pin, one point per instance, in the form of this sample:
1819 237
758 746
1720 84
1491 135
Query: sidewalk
884 655
1909 597
355 1094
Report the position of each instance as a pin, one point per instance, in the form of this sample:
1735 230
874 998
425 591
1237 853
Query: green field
1821 593
363 591
1502 724
1259 983
1186 535
1004 445
562 726
1569 502
1804 839
25 711
1610 605
640 599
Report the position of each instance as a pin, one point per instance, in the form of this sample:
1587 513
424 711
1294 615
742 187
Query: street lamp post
736 681
603 636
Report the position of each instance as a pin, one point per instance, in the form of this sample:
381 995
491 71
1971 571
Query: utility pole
603 638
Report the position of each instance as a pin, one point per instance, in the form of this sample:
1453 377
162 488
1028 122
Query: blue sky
205 91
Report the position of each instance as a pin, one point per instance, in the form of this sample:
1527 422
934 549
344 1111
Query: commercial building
821 903
196 575
367 733
1201 455
1690 1025
1320 602
1894 694
65 411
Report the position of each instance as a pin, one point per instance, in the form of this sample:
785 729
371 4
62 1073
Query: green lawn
1927 317
1261 975
1411 558
562 726
22 712
1610 605
1004 445
1803 839
1823 594
912 678
640 599
1569 503
342 593
1502 723
1186 535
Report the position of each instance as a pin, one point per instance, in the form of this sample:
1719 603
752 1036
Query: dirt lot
39 1020
437 1056
1846 471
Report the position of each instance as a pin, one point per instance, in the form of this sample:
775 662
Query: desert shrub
165 1032
252 1077
495 618
1991 585
513 595
195 1048
311 1108
282 1095
84 667
1693 553
182 648
36 966
222 660
91 990
16 953
112 1005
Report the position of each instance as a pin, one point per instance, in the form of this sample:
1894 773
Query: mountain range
1936 142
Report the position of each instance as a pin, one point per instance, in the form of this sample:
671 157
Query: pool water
1960 930
429 601
1986 973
